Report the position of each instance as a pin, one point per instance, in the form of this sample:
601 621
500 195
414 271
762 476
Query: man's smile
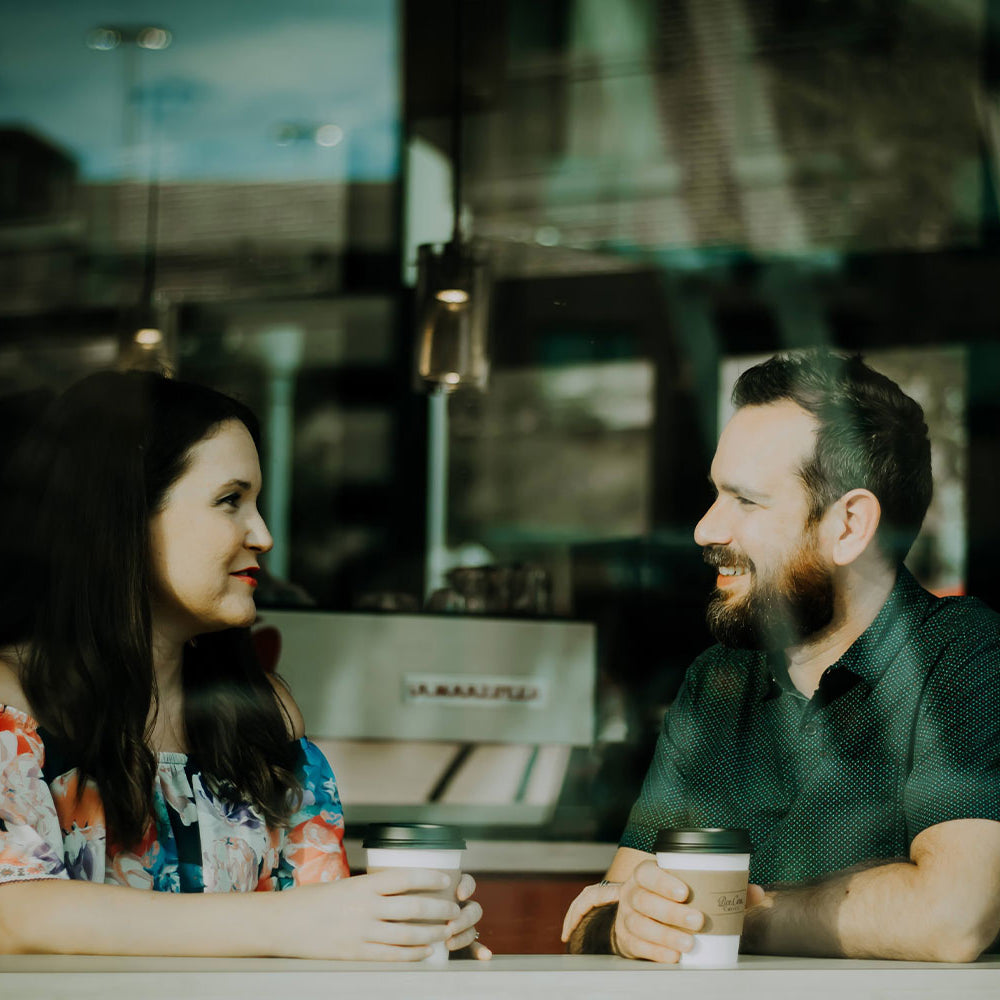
728 575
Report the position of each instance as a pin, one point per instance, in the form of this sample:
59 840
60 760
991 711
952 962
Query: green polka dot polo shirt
903 732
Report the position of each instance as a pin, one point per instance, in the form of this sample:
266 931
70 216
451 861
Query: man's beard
777 611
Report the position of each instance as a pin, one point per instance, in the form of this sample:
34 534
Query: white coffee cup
418 845
714 863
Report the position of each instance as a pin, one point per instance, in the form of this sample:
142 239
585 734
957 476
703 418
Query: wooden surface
523 915
67 977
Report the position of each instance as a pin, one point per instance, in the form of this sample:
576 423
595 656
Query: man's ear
850 525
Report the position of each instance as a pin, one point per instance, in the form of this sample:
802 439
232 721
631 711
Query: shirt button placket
813 744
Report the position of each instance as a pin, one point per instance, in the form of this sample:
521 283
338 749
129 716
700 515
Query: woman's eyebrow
235 484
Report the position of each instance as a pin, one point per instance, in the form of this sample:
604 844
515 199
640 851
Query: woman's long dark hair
79 494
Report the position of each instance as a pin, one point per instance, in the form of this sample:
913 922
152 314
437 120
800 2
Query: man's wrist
755 923
595 933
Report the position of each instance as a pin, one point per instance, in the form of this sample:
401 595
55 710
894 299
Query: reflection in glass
452 316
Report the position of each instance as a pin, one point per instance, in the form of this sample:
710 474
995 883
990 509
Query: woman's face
207 538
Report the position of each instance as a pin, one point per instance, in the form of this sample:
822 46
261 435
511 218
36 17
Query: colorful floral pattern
196 841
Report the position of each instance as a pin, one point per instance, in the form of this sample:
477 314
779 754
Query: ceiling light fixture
452 298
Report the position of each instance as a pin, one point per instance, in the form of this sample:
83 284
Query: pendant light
144 344
452 297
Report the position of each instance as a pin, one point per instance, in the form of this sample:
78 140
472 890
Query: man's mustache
721 555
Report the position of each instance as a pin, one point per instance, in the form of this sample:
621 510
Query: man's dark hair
871 436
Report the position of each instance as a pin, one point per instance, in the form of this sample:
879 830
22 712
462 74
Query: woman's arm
359 919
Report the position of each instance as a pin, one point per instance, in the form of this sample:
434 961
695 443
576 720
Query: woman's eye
744 502
230 500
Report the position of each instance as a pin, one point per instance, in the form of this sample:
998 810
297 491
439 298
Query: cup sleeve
31 843
313 844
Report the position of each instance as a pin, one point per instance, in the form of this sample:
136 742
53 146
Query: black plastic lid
428 836
702 840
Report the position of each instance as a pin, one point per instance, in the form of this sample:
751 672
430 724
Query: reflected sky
238 95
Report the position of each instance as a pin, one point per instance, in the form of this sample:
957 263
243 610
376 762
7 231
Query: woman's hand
462 931
368 918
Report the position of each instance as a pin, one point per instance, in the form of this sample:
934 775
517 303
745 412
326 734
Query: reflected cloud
241 65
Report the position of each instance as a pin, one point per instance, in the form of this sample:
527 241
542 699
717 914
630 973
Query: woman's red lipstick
247 575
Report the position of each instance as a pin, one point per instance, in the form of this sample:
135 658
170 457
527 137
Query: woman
141 745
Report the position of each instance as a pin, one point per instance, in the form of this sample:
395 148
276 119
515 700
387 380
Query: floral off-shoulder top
195 841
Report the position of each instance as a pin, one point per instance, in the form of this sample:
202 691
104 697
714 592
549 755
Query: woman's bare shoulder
11 693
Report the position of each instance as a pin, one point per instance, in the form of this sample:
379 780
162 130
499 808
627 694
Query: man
848 719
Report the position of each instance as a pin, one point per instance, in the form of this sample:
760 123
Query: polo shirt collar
781 683
870 655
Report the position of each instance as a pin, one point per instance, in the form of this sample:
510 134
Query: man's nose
712 529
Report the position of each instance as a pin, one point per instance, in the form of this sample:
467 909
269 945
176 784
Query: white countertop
527 977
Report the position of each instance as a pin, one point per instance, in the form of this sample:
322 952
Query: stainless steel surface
430 677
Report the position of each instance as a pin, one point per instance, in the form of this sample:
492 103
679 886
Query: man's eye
744 502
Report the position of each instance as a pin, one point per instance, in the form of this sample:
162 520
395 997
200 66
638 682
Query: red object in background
267 642
523 914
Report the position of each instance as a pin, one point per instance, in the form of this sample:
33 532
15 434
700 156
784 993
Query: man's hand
593 896
638 912
653 921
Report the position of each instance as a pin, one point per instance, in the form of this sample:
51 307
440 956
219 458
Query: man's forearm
795 920
886 910
594 934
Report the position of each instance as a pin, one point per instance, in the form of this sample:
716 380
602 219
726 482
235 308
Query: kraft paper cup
714 863
418 845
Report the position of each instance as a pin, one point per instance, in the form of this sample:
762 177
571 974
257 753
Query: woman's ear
852 523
